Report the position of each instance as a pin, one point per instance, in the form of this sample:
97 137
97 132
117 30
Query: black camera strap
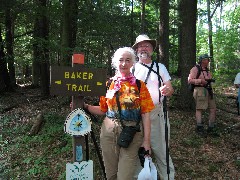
208 86
119 108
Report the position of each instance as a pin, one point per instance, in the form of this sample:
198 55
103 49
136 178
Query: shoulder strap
151 69
159 82
159 77
157 73
199 71
109 83
119 106
133 69
138 84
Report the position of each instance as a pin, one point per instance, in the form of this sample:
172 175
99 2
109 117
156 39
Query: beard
143 55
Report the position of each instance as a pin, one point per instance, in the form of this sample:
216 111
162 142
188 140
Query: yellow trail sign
71 81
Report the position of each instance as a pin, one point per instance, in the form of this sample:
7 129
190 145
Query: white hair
119 52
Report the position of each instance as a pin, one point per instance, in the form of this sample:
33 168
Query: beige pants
120 163
158 144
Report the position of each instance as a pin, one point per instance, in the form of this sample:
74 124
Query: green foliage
176 83
104 26
202 41
39 167
225 36
47 142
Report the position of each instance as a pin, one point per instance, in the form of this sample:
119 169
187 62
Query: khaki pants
203 99
120 163
158 144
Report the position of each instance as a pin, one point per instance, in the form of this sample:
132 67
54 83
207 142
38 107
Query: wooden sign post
78 124
77 102
78 81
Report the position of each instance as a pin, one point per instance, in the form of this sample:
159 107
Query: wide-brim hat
144 37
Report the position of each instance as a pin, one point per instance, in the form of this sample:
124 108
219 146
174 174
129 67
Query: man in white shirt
157 79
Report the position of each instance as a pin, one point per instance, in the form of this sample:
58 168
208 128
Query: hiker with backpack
126 126
157 80
201 78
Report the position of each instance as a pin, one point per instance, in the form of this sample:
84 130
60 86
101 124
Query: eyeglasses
144 46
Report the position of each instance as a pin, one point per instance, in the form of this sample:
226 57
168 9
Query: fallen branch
38 123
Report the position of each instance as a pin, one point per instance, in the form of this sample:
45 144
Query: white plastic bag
149 171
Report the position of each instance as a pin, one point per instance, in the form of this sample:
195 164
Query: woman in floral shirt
131 106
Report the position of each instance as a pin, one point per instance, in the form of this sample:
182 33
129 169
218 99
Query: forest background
37 34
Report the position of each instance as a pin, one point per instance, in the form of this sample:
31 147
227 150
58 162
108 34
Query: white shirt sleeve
237 79
164 73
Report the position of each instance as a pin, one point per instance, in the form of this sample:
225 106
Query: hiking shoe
200 131
213 131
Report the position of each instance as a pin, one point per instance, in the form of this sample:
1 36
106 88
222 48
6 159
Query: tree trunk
41 51
132 26
9 46
179 69
188 15
164 33
4 76
210 33
35 70
143 30
36 55
69 31
2 64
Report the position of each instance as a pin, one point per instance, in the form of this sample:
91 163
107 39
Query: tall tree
69 31
210 33
164 33
9 23
132 26
4 76
36 51
143 28
210 28
41 52
188 16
